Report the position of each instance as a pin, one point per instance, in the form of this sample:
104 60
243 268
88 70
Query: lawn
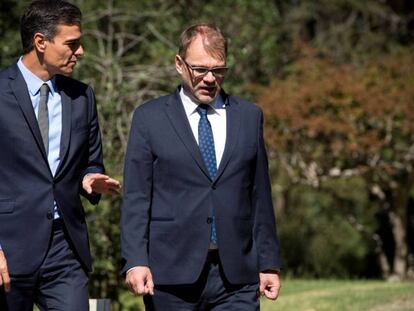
323 295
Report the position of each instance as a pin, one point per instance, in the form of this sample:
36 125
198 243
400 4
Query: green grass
326 295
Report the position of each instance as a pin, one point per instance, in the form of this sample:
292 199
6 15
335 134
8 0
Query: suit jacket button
49 215
213 187
209 220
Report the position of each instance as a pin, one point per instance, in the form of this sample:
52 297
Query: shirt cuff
277 270
133 268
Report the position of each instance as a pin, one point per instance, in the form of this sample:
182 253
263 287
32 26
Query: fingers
4 273
262 288
112 186
139 281
87 183
100 183
105 178
271 292
269 285
87 188
97 176
135 285
112 182
149 287
107 188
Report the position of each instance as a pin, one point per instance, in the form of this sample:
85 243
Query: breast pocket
6 207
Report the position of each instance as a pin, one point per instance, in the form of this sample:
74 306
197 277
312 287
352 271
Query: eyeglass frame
208 69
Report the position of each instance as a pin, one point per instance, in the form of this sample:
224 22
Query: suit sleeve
136 205
95 157
264 231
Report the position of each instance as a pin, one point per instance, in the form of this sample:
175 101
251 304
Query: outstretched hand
4 273
100 183
269 284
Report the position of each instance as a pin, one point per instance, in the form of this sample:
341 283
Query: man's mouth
208 89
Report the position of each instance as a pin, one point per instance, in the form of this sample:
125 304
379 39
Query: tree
330 121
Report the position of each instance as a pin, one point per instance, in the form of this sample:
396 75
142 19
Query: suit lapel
232 128
19 88
66 125
176 114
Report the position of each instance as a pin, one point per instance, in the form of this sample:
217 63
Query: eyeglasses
199 72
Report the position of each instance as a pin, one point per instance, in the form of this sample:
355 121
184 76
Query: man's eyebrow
74 40
200 66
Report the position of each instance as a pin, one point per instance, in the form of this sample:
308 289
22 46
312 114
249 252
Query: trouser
211 292
60 283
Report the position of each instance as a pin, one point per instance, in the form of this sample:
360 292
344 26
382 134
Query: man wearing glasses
197 217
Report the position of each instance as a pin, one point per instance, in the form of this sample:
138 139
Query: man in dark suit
51 153
197 217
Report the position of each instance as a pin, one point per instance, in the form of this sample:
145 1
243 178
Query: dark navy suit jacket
169 196
27 187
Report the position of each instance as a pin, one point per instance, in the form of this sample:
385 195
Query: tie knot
44 89
202 109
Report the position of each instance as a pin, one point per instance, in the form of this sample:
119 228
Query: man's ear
39 42
179 64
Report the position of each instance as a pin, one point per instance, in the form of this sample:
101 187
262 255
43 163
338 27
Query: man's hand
4 273
269 284
139 281
100 183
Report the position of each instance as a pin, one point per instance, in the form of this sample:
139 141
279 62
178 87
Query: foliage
317 239
328 121
129 54
10 39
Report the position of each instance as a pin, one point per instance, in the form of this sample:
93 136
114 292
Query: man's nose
209 77
79 51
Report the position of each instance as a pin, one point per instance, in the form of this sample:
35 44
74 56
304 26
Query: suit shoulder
71 85
5 72
245 104
154 104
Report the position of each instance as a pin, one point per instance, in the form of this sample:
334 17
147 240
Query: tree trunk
398 221
399 225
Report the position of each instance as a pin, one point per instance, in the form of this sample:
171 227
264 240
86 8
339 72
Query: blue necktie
206 145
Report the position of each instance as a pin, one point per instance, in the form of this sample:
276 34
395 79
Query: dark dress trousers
28 188
169 197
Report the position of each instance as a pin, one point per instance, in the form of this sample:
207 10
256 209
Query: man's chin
206 99
66 72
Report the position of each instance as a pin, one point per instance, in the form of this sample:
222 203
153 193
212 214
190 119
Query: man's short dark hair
44 16
214 41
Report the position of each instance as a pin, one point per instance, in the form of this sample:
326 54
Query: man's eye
200 70
219 71
73 44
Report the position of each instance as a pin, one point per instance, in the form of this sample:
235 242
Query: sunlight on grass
323 295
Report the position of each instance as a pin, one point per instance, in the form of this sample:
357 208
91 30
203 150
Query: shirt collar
34 82
190 105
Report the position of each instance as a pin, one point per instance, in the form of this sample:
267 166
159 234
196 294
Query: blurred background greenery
335 79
